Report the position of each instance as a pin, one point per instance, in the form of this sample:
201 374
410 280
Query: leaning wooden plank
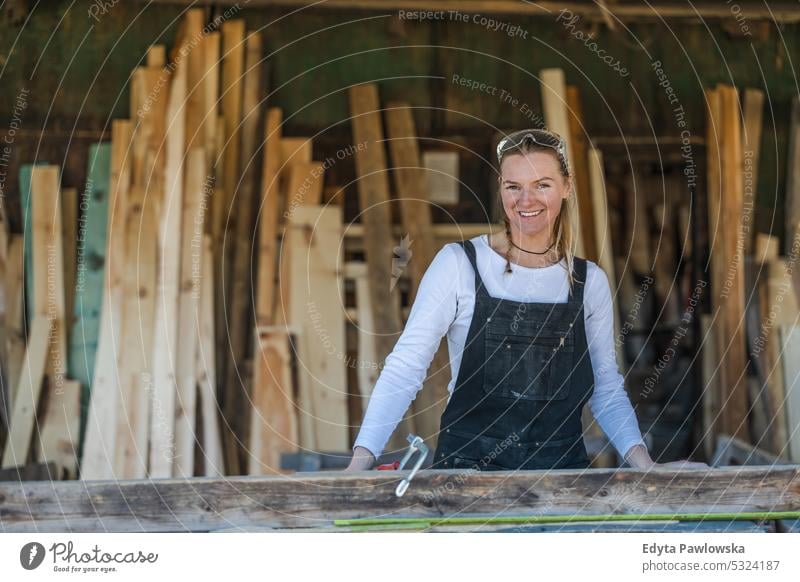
97 460
414 254
312 246
189 309
792 207
315 499
790 358
48 261
166 322
213 461
732 302
751 143
605 254
554 106
239 301
52 445
367 372
273 425
579 162
137 316
23 416
61 430
778 306
373 191
15 336
69 230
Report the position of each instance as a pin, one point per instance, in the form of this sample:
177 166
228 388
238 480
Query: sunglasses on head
540 137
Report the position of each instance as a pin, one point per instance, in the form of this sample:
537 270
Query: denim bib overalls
525 376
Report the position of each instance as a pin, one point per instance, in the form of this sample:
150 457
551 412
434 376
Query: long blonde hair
566 223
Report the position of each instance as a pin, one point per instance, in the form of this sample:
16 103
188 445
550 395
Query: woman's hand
362 460
638 458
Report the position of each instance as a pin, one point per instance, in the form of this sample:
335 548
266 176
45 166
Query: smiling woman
518 338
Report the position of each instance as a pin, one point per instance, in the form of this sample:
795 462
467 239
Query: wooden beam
373 191
751 143
315 499
580 167
311 251
554 105
164 344
415 253
273 426
23 416
213 461
732 307
778 12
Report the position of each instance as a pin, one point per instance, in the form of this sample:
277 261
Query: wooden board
554 106
273 426
315 499
581 170
191 242
213 461
367 373
792 207
14 336
373 191
732 303
415 256
164 344
97 460
69 230
312 253
23 416
239 300
790 360
751 143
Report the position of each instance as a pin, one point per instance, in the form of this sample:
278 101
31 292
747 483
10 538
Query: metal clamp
416 445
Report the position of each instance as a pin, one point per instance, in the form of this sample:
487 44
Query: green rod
459 520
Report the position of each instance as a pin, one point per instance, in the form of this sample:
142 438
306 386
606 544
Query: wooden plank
790 359
98 456
778 306
166 322
554 105
268 218
415 212
602 222
213 461
239 301
26 402
311 244
15 337
367 373
273 426
189 308
304 184
581 174
195 104
732 302
373 191
792 205
211 47
751 143
767 247
315 499
295 150
711 392
69 242
63 401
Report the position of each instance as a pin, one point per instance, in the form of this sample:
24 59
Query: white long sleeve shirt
444 304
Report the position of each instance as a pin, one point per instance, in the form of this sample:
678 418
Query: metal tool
416 445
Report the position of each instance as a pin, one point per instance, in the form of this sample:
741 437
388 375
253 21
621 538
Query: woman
530 335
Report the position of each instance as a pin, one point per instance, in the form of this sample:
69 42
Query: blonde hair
565 227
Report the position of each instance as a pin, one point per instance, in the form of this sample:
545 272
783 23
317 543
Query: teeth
528 214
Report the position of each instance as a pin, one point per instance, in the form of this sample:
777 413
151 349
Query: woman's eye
543 186
512 187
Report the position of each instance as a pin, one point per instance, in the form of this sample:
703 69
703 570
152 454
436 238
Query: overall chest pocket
531 366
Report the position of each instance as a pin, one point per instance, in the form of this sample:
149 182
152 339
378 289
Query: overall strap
469 248
579 275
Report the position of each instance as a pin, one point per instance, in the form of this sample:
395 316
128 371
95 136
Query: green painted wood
90 273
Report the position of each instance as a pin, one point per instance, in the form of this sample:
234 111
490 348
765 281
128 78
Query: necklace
544 252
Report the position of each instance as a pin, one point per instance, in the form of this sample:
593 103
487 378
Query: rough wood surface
314 499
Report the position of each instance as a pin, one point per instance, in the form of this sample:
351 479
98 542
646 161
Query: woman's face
532 188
